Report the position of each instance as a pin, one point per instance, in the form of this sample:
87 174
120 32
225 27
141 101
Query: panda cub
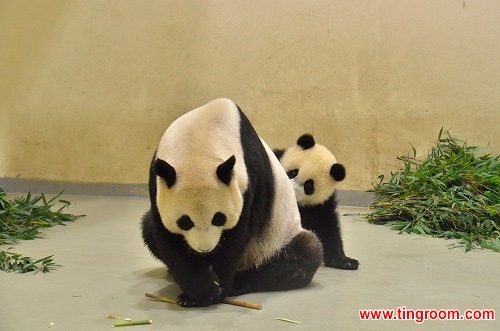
314 173
223 214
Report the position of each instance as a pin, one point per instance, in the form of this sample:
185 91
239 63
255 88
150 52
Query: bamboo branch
132 323
159 298
226 301
243 304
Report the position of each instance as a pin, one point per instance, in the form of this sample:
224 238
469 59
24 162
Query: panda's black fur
233 266
321 217
323 220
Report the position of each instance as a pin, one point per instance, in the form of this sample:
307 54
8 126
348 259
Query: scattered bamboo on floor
132 323
287 320
226 301
243 304
159 298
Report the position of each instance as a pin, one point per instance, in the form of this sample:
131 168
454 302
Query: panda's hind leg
147 234
294 267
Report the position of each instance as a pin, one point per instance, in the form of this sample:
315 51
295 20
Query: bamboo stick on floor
226 301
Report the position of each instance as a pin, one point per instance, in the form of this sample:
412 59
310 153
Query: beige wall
88 87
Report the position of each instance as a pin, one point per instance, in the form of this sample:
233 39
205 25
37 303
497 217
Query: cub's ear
225 170
306 141
337 171
165 171
279 153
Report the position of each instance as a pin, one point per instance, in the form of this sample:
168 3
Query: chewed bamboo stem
159 298
132 323
226 301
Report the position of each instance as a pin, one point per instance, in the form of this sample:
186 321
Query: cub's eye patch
219 219
309 187
293 173
185 223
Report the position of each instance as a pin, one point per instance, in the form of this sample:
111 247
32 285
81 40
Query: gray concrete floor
106 270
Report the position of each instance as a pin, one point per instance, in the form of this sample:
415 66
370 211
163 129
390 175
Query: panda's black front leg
200 284
334 248
324 221
202 290
227 259
342 262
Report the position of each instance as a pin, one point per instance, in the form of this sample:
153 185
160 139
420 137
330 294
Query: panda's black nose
309 187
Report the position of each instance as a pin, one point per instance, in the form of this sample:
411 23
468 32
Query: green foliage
452 194
13 262
22 219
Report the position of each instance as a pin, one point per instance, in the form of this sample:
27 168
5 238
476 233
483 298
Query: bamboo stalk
159 298
287 320
132 323
243 304
226 301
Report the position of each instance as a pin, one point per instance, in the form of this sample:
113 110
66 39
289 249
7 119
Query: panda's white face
310 173
199 206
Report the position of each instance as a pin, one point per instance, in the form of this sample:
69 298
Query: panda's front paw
185 300
202 297
345 263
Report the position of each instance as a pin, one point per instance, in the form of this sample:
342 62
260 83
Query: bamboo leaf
21 219
453 193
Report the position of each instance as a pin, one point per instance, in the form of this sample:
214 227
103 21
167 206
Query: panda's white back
284 222
201 139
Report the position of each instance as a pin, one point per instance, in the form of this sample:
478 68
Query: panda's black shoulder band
306 141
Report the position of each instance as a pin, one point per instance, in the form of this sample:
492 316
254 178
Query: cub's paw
202 297
345 263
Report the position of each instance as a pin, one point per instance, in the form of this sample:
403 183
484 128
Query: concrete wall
88 87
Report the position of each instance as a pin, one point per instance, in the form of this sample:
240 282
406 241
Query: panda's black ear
165 171
337 171
225 170
306 141
279 153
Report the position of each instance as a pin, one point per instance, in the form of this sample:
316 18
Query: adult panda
315 173
223 214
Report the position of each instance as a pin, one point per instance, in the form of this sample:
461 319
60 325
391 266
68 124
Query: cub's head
198 201
313 170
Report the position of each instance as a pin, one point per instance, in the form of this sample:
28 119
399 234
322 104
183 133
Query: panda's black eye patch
185 223
309 187
219 219
293 173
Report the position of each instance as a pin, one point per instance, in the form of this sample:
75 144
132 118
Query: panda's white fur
314 162
195 144
284 222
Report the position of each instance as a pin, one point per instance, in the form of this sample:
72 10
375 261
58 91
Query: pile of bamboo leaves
23 218
454 194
